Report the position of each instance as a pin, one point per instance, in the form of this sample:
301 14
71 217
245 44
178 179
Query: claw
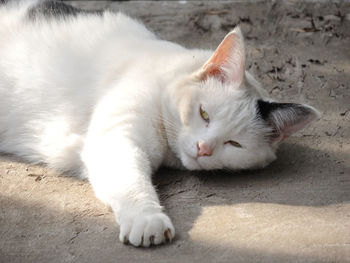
125 240
167 234
151 239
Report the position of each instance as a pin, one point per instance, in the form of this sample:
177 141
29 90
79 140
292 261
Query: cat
100 96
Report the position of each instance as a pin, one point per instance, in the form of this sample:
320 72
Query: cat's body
102 97
64 57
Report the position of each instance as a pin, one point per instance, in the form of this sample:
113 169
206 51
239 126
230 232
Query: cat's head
225 122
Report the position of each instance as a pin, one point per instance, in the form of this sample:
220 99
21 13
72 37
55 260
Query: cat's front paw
146 229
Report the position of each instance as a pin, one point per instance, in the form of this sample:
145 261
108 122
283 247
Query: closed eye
234 143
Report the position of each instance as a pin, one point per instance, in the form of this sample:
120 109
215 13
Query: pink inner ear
222 52
288 130
212 70
228 61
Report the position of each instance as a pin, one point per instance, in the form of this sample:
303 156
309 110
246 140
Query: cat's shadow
298 178
297 167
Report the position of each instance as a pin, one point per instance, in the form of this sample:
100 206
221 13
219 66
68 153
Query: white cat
101 96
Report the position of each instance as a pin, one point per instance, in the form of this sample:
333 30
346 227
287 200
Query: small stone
347 17
332 18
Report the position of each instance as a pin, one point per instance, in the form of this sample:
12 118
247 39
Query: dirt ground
295 210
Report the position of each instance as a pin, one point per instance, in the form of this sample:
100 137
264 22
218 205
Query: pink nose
203 150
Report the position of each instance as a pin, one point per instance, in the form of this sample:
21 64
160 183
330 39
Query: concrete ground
295 210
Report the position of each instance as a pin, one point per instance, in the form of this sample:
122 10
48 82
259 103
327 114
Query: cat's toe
148 230
136 237
154 231
124 232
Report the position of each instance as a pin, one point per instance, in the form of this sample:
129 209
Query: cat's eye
234 143
204 114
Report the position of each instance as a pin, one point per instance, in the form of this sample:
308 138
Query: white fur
102 97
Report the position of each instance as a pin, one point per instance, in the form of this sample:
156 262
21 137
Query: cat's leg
120 173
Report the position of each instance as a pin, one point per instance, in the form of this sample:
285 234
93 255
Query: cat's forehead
226 102
217 91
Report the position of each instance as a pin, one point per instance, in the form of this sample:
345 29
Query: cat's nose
203 149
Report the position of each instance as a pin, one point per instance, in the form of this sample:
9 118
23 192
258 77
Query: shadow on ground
291 211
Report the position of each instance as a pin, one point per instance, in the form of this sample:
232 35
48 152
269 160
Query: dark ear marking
265 108
285 118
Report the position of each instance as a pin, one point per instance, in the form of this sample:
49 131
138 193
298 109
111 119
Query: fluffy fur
102 97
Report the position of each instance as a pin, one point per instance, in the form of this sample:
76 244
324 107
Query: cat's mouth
191 162
200 163
195 163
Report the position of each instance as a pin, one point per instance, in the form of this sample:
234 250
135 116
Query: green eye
204 114
234 143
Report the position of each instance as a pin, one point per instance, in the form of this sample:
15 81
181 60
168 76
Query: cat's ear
228 61
286 118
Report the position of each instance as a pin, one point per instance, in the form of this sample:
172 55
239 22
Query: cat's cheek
187 149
